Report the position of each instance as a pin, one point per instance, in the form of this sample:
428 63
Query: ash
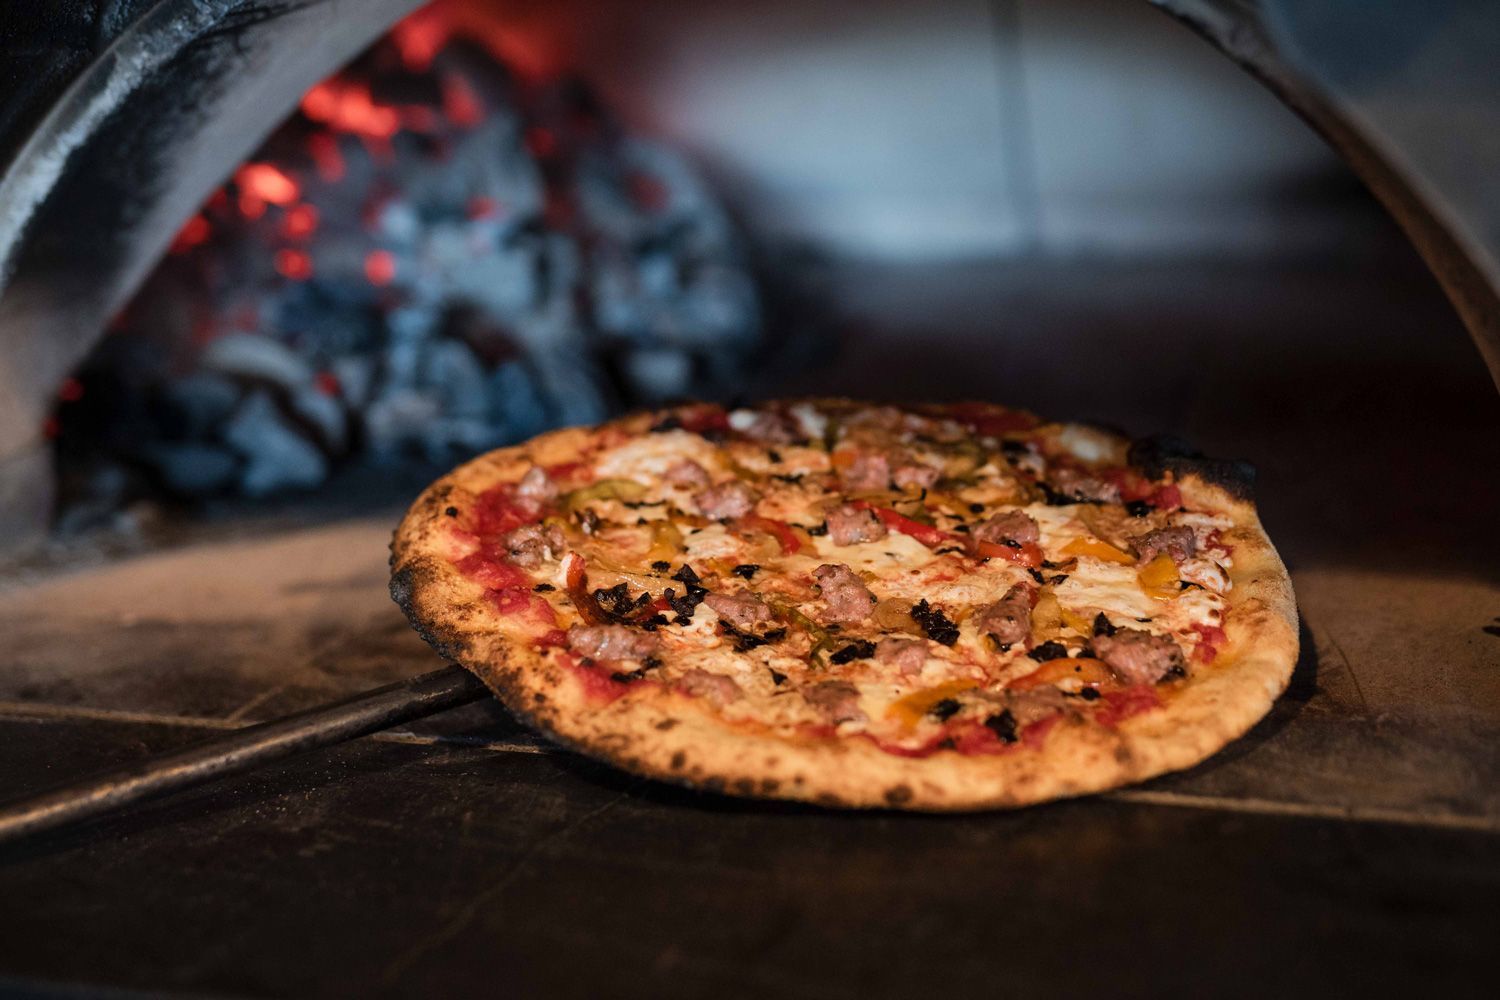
430 259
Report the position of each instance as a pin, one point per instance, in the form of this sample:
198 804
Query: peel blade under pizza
934 607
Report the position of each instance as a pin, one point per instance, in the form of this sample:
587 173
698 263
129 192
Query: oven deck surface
1352 840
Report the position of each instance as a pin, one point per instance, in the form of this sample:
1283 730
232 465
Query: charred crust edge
447 642
1159 454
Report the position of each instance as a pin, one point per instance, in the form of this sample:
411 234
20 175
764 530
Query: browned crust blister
675 738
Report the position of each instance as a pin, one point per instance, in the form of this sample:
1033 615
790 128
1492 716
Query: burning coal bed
431 258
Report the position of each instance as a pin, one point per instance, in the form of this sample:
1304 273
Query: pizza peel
240 751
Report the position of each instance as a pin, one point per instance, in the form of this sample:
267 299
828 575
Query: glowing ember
380 267
193 232
293 264
300 223
492 259
266 182
347 106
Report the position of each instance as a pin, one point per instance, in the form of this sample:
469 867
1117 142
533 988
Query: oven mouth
80 173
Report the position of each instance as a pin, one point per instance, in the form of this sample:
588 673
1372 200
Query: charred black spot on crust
451 511
678 759
769 785
448 643
898 795
1159 454
744 786
666 724
539 698
828 799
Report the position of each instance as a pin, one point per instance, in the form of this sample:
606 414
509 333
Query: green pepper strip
627 490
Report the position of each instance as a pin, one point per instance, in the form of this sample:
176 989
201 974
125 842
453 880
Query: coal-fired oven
267 264
456 243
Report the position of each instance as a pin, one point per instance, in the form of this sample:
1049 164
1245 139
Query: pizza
935 607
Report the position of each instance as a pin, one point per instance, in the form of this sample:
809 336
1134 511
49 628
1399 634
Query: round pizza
930 607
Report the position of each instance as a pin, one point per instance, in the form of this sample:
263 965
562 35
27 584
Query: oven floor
1350 842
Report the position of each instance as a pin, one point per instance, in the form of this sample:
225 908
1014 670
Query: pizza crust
677 738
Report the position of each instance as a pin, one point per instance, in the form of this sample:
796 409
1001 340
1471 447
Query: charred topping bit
777 677
686 604
1138 508
687 576
1037 576
945 709
1174 672
1102 625
746 641
544 588
949 550
774 456
671 422
618 606
661 566
745 570
1089 694
628 678
652 662
976 508
1059 578
1049 650
451 512
817 530
859 649
937 626
653 623
1003 725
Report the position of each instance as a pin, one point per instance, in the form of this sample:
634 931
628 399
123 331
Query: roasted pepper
910 709
1096 549
1159 578
625 490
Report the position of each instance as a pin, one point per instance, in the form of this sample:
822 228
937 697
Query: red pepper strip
924 533
1167 498
704 417
577 583
783 533
1028 555
985 418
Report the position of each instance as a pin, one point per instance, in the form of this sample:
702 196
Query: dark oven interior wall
43 48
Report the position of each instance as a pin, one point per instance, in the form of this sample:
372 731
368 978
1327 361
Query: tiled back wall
895 129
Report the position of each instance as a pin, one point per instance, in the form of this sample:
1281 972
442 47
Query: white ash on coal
430 259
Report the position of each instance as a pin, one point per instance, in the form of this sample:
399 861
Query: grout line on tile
32 711
1140 796
1309 810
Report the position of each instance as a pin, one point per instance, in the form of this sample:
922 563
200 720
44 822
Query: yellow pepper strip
1080 623
1159 578
666 542
909 710
1089 671
627 490
1095 549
